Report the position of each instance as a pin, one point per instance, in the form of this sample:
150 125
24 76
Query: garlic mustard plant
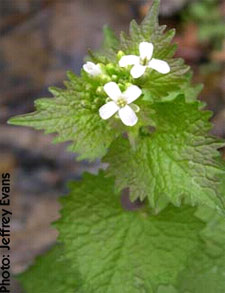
159 155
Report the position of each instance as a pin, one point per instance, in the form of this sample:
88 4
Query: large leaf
123 251
177 162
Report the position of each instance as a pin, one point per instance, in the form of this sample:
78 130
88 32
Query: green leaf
73 115
205 270
110 39
51 273
177 162
149 30
146 31
123 251
189 91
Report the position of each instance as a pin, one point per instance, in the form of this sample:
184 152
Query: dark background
39 41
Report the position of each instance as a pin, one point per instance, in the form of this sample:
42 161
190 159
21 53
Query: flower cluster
121 103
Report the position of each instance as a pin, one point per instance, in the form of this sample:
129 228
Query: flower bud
120 54
114 77
105 78
100 90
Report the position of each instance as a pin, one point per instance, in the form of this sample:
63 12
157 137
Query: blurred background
39 41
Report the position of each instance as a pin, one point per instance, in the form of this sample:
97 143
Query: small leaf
159 85
150 23
73 115
110 40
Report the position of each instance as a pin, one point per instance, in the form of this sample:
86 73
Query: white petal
88 66
97 70
132 93
128 116
137 70
128 60
92 69
107 110
146 50
135 107
112 89
159 65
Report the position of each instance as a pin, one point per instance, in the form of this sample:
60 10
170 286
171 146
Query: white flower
120 102
92 69
145 60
